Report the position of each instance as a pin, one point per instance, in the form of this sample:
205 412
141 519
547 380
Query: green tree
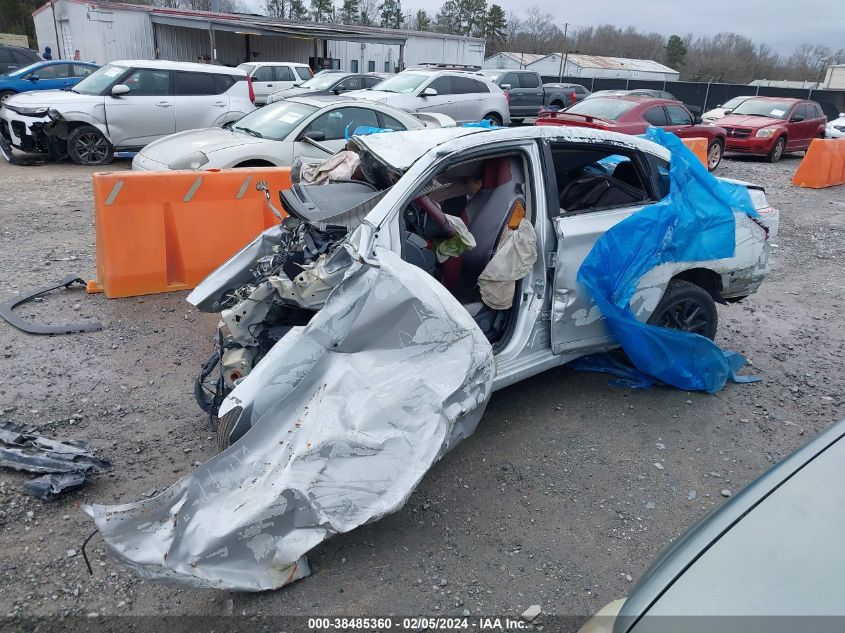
676 52
448 18
297 11
349 12
276 8
322 10
391 14
495 28
422 21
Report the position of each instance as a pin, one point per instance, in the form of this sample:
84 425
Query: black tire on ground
86 145
714 154
777 151
5 94
686 307
495 119
516 121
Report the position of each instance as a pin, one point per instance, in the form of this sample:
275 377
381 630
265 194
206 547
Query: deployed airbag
348 414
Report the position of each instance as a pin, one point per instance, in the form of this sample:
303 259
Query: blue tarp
694 222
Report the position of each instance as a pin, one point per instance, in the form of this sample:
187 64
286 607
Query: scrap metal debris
7 311
64 465
347 415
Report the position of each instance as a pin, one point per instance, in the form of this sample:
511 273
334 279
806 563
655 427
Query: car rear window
195 84
529 80
764 107
602 107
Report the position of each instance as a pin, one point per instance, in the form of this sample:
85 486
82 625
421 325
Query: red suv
631 114
773 126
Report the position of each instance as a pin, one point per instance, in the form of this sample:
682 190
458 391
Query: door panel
144 115
516 101
263 83
532 93
444 101
577 322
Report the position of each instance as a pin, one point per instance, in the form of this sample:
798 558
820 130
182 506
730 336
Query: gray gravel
556 501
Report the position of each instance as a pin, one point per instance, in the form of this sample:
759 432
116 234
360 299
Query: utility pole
564 54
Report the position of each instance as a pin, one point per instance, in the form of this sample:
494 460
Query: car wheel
494 118
4 96
86 145
714 155
777 151
557 104
688 308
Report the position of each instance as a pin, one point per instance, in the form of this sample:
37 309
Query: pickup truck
362 337
526 93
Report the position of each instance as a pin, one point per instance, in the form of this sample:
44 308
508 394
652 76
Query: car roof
400 150
277 64
161 64
766 98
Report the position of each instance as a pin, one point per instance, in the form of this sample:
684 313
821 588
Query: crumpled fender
348 414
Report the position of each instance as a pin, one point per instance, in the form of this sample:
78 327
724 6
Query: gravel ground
556 500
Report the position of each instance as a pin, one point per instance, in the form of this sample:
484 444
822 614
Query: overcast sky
781 24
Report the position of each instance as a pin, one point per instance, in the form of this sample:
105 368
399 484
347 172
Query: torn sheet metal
348 413
514 258
695 222
63 465
7 311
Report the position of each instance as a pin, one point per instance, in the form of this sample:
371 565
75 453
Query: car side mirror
797 118
697 119
119 89
315 135
34 77
505 86
429 92
727 112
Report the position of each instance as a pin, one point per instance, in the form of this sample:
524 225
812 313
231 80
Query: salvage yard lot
568 489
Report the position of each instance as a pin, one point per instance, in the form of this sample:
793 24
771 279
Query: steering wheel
433 211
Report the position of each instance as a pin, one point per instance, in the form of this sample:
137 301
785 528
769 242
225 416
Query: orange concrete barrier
823 164
165 231
698 146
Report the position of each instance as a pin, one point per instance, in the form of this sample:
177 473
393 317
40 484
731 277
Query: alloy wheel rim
779 149
686 315
91 148
715 156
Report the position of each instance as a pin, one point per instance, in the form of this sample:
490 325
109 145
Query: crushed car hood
348 414
52 98
205 140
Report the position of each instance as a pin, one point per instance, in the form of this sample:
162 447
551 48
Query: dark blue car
50 75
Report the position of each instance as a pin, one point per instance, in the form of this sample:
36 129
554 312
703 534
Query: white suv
124 106
268 77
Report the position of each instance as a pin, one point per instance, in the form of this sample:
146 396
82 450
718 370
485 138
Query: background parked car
124 106
773 126
305 126
632 114
55 75
578 90
769 559
268 77
639 92
330 83
835 128
711 116
16 57
463 96
526 92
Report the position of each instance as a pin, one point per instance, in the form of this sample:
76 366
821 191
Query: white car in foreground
306 127
124 106
835 128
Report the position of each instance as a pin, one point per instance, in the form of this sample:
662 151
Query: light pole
563 57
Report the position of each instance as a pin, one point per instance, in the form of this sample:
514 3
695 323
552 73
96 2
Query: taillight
251 89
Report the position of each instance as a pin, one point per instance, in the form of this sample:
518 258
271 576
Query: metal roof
522 58
784 83
617 63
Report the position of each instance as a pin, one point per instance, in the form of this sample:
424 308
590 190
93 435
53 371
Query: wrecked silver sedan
361 338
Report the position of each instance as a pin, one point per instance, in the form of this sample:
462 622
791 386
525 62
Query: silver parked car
268 77
328 83
464 96
305 127
124 106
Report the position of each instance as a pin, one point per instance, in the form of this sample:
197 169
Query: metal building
106 31
577 65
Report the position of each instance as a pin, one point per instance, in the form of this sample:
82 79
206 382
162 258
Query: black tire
557 103
5 94
516 121
86 145
777 151
686 307
714 154
494 118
